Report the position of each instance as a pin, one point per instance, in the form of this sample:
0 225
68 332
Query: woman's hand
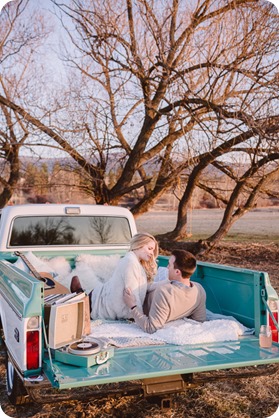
129 298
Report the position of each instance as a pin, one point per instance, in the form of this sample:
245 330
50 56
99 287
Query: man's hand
129 298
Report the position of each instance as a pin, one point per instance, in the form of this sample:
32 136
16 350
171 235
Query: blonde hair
139 241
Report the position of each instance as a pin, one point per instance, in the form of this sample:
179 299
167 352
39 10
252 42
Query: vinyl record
84 348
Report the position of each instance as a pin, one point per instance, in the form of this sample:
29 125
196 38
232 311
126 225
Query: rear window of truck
67 230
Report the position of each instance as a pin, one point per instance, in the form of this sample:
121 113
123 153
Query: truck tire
15 390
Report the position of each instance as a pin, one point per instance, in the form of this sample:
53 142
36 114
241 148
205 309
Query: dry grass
239 398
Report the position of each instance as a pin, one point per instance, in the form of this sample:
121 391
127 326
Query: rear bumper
43 392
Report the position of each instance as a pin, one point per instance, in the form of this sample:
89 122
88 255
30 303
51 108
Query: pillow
59 265
93 269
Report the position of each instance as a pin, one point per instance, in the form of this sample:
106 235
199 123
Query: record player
68 324
84 353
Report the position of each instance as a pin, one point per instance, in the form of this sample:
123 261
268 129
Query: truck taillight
32 349
273 305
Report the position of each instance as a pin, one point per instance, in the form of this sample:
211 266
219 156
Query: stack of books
63 298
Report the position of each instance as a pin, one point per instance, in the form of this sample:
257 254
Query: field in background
260 224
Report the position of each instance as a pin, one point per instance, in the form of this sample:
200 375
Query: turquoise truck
39 370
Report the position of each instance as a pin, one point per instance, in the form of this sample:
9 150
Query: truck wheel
16 392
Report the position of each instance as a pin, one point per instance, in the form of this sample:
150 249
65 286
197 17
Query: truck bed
241 293
231 291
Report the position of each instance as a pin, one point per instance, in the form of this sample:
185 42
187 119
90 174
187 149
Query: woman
134 270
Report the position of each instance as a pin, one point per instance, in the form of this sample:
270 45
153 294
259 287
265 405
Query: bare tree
174 86
187 79
264 128
17 44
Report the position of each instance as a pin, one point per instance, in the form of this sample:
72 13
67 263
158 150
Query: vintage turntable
84 353
84 348
68 336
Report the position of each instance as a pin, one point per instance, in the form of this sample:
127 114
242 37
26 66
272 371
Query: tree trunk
10 184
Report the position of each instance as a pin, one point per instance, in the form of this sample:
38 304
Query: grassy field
260 224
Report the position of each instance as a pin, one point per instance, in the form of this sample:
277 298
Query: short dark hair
185 262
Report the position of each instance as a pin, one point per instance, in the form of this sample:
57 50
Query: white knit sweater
107 298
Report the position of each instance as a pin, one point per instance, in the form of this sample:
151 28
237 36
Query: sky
3 2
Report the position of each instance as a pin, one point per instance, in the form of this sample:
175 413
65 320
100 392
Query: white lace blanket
183 331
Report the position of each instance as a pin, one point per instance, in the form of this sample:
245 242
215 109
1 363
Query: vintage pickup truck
34 369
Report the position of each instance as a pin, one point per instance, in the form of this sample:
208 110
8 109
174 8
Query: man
171 299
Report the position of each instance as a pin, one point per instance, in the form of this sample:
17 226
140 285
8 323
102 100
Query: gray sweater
167 301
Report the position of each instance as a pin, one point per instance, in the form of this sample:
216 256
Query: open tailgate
156 361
